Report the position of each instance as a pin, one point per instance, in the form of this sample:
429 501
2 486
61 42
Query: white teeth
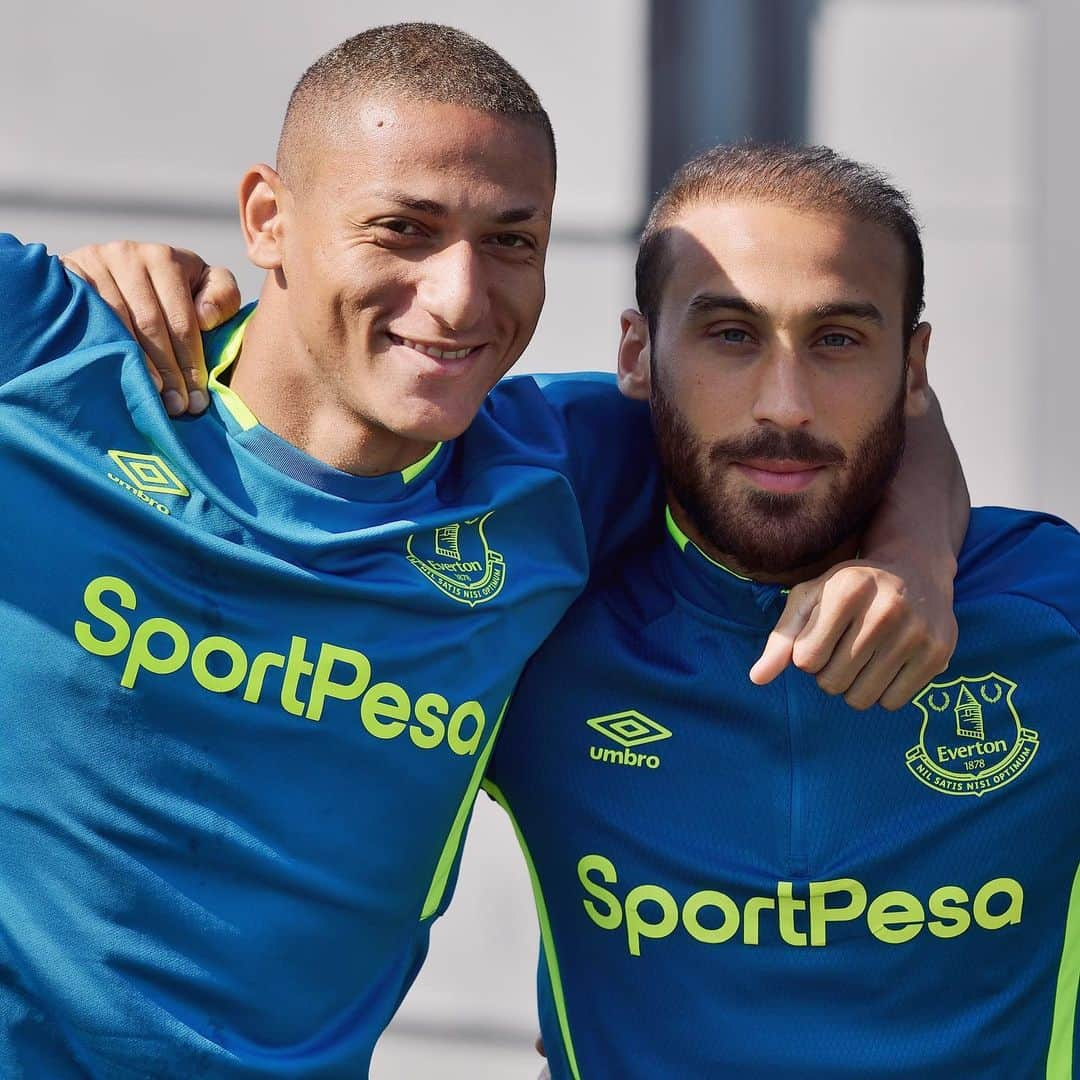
438 354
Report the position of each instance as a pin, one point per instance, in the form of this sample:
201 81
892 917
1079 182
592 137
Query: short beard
770 534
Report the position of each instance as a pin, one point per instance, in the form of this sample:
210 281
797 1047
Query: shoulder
1025 554
30 270
618 612
558 421
46 312
586 403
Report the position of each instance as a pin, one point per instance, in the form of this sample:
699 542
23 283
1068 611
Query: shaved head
415 61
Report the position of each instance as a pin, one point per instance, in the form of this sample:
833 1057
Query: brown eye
511 240
400 227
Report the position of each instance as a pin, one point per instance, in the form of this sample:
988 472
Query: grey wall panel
119 99
940 94
1054 371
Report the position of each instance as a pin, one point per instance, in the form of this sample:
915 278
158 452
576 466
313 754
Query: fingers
912 677
150 287
165 339
866 638
798 613
216 296
844 601
99 275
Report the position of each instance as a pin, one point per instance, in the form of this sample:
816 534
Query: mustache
774 444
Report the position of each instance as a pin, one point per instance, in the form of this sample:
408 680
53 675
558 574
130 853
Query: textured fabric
247 699
752 882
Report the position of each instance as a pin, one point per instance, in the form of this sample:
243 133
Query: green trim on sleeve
450 849
230 399
546 937
1059 1061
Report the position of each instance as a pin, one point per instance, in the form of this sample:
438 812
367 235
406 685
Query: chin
435 426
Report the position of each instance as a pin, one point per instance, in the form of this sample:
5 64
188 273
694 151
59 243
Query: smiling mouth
433 350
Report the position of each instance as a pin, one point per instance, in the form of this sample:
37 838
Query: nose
784 392
453 287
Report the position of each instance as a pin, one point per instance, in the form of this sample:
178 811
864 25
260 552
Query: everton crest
458 561
972 740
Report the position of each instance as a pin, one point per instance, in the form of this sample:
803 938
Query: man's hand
165 296
874 634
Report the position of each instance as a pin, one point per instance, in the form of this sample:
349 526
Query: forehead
782 258
446 153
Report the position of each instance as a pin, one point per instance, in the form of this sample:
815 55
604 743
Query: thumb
801 602
215 294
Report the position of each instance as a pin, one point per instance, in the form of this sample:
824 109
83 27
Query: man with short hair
261 656
751 882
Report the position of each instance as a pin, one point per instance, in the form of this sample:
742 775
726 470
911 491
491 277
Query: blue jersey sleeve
45 312
611 460
1026 554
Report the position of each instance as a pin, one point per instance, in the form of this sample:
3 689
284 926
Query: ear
918 388
635 351
262 196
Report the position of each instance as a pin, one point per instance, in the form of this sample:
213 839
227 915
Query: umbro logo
629 729
146 475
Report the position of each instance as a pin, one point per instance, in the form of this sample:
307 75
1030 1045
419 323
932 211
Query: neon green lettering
385 699
142 659
338 673
753 907
259 667
296 666
638 927
787 907
590 864
723 903
323 685
950 919
92 601
468 710
895 917
1002 886
218 684
430 727
820 912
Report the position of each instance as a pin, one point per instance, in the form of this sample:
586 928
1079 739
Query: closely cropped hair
421 61
812 178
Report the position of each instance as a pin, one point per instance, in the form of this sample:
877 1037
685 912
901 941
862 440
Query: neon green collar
229 398
682 540
233 403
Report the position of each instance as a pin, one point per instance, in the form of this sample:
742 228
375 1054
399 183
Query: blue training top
752 882
247 698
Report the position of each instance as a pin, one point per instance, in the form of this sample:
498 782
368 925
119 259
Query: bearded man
758 881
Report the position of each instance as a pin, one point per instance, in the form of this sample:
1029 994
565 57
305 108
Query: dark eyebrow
514 216
704 303
852 309
518 215
411 202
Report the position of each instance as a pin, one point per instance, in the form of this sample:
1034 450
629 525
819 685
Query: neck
281 383
849 549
